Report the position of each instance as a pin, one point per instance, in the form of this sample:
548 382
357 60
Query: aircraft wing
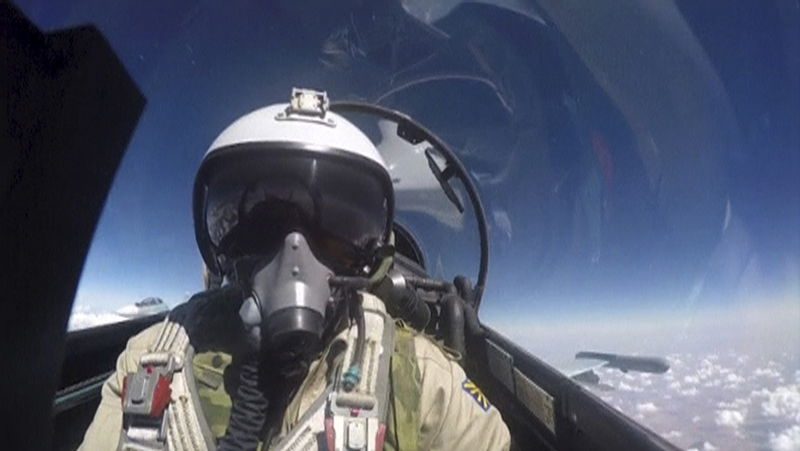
146 307
625 363
582 368
578 367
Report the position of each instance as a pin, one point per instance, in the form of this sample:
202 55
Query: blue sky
571 235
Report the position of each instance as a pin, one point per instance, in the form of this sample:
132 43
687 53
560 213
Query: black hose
429 284
354 283
248 411
413 309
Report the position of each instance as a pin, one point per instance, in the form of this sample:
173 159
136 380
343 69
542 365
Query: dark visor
340 202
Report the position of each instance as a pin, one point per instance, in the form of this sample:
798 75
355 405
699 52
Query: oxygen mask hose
385 263
374 279
248 411
352 376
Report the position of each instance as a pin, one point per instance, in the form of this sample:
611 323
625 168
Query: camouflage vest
404 380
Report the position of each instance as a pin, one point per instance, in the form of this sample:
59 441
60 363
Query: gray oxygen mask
285 313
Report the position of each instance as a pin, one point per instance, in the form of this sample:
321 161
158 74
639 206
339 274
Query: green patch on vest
403 424
209 368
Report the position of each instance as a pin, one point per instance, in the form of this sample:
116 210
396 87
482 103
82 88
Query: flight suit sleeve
454 413
104 432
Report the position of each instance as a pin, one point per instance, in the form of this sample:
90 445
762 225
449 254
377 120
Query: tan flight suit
452 412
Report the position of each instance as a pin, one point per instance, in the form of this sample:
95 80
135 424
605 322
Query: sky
577 217
608 228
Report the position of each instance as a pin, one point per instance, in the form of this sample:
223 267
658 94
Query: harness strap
352 419
160 404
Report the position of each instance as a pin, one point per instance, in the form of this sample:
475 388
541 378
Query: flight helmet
300 193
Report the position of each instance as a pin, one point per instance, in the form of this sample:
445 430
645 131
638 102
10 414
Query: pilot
275 355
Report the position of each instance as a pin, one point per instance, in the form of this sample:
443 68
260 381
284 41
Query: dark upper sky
596 200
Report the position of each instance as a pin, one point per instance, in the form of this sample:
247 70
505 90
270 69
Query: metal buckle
146 395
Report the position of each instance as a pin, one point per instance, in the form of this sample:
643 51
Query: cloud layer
84 317
734 381
715 400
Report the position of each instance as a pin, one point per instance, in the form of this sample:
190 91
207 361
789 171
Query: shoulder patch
476 394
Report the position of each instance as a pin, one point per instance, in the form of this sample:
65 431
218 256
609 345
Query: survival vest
176 400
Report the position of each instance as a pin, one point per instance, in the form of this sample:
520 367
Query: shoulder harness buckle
146 395
159 400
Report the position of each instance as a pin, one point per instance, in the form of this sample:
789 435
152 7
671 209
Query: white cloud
766 372
705 446
788 440
691 380
691 391
737 403
761 392
671 435
784 402
695 418
734 379
625 387
730 418
707 369
647 407
83 317
743 359
675 385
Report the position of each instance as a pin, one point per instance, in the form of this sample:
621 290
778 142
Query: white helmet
293 167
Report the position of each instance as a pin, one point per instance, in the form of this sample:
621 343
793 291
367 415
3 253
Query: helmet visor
340 203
